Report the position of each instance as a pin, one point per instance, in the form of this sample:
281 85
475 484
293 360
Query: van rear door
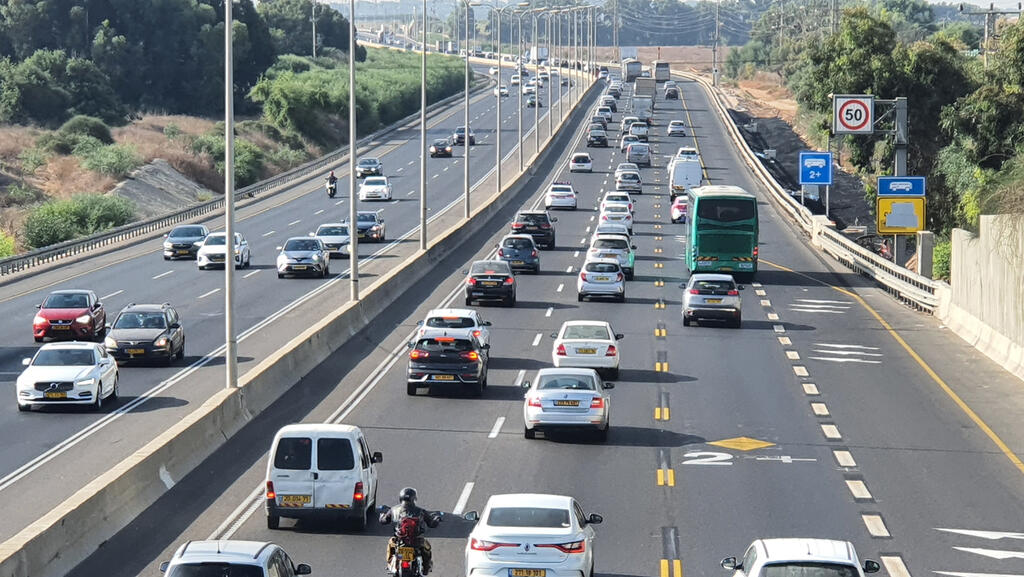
337 470
292 473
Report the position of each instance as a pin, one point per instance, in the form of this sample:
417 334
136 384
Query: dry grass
148 138
13 140
63 176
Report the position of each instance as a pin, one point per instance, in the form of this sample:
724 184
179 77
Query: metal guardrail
52 253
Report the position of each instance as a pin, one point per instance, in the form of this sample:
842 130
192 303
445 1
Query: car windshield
808 570
444 345
216 240
601 267
450 322
376 181
66 301
64 358
366 218
490 267
713 285
368 162
332 231
215 570
302 244
618 197
520 243
186 231
597 132
528 517
571 382
140 320
587 332
613 243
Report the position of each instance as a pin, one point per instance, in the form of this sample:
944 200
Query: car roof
71 292
317 428
146 307
248 552
530 499
711 276
333 224
518 236
452 313
601 260
802 549
580 154
544 212
585 322
611 236
68 345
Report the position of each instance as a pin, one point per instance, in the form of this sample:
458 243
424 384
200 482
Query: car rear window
572 382
294 453
450 322
366 218
613 243
638 149
601 267
528 517
714 285
563 189
215 570
808 570
333 454
533 218
444 345
490 267
521 243
616 208
581 158
376 181
586 332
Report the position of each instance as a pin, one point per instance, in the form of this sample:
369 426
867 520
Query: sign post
853 114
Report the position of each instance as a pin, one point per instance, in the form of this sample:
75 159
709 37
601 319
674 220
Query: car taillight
501 252
604 217
481 545
533 252
545 226
733 293
418 354
583 276
470 356
597 403
560 351
477 333
533 401
755 251
470 281
694 292
271 494
517 225
618 277
611 351
406 564
357 493
574 547
509 280
631 206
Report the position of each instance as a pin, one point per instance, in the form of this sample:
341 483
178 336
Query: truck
684 173
538 54
645 87
631 69
628 53
643 108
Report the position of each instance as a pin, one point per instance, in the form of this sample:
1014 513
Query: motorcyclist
407 508
332 183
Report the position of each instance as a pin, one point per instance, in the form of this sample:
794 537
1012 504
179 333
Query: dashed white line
811 389
820 409
779 328
496 428
785 341
895 566
294 222
411 162
583 241
111 295
592 219
519 378
773 316
569 269
844 458
800 370
400 169
536 339
876 527
548 312
251 273
576 254
460 505
858 489
204 295
321 211
793 355
339 202
766 303
268 233
831 432
163 274
560 287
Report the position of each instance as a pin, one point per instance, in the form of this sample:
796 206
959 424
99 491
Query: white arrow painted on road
993 553
992 535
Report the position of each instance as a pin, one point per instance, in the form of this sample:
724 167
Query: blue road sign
816 168
901 186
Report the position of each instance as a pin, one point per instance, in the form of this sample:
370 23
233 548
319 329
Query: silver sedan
564 398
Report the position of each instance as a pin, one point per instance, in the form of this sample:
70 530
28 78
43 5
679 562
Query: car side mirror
682 285
97 305
173 325
26 362
472 516
554 335
554 219
485 324
465 271
303 569
312 234
525 385
277 248
632 246
419 323
595 519
730 564
163 567
619 336
871 566
382 509
377 457
39 306
608 385
741 287
106 327
410 344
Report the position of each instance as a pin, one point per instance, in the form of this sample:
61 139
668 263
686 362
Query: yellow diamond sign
742 444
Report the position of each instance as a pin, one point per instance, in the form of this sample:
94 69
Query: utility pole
313 19
835 16
714 47
990 25
615 29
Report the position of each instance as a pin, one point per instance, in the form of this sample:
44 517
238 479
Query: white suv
806 557
251 558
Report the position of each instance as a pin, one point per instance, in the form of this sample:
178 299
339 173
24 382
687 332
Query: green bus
721 230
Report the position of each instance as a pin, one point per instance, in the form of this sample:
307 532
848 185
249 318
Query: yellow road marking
677 568
992 435
742 444
661 367
659 265
661 332
664 568
659 305
657 227
657 250
661 477
657 238
659 283
664 413
671 477
657 413
657 216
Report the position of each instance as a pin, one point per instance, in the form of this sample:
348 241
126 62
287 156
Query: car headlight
83 319
197 243
375 227
160 342
85 382
316 257
238 251
281 259
110 343
167 244
38 320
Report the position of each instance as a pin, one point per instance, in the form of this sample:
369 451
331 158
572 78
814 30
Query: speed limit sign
853 114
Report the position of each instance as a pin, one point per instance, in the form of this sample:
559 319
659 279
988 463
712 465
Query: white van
684 173
319 470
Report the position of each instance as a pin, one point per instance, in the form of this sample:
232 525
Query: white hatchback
560 195
676 128
375 188
581 162
457 322
807 557
587 344
609 228
530 535
617 214
601 277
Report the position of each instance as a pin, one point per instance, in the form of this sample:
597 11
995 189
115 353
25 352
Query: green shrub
32 159
286 158
61 220
116 160
172 131
87 126
6 245
20 193
248 157
941 260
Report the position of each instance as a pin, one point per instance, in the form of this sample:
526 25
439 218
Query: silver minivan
639 153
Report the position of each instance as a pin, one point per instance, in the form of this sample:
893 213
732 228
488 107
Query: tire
114 394
97 404
579 297
529 433
410 389
602 435
273 522
686 321
170 358
181 351
279 275
629 275
359 523
622 298
38 339
167 257
477 390
613 374
469 301
24 408
736 323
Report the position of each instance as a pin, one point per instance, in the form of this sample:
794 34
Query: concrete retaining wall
74 529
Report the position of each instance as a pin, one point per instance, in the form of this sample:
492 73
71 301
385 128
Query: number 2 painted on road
707 458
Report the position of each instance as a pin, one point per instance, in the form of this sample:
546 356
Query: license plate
407 553
609 255
746 265
489 283
602 278
60 327
296 499
586 351
135 351
444 377
299 267
527 572
566 403
518 262
183 251
362 235
712 301
55 395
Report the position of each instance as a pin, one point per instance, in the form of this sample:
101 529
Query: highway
811 420
69 447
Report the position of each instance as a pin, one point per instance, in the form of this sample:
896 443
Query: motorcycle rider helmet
407 495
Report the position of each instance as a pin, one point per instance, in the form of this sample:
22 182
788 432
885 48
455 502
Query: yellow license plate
295 499
713 301
135 351
586 351
362 235
489 283
602 278
518 262
527 572
299 267
61 327
567 403
55 395
407 553
444 377
183 251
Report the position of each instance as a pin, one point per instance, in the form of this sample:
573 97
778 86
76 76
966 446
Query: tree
290 26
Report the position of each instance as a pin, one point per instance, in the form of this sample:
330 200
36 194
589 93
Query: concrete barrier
69 533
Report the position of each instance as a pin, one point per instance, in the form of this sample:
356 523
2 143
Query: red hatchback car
70 315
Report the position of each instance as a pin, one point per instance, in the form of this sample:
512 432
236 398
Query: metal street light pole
519 92
423 132
465 139
230 343
536 89
548 47
353 242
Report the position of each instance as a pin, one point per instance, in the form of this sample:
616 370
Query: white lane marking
569 269
163 274
835 360
793 355
251 273
204 295
760 292
800 370
560 287
895 566
811 389
583 241
519 379
111 295
228 527
859 490
847 353
591 219
820 409
990 535
961 574
844 458
411 162
410 193
496 428
339 202
823 302
436 175
268 233
536 339
576 254
400 169
460 505
321 211
806 310
766 303
785 341
831 432
992 553
548 312
756 285
294 222
838 346
876 527
773 316
779 328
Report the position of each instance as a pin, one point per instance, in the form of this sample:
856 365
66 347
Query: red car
679 209
70 315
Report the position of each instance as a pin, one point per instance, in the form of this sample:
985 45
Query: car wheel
736 323
529 433
622 298
24 408
613 374
579 297
167 257
97 404
477 390
181 351
359 523
410 389
279 275
273 522
686 321
629 275
38 339
602 435
170 358
469 301
115 393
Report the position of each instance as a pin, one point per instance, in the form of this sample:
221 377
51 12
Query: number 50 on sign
853 114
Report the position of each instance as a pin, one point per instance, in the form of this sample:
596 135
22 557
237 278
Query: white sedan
335 237
587 344
456 322
618 214
581 162
531 535
560 195
73 373
676 128
214 248
501 90
375 188
492 70
626 167
566 399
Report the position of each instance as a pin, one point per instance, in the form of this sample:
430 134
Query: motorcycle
332 188
407 560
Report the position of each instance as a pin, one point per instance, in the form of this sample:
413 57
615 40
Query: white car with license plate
375 188
501 90
214 248
581 162
601 277
617 247
566 399
712 296
679 209
799 556
457 323
676 128
609 228
560 195
618 214
626 167
588 345
74 373
629 182
335 236
531 535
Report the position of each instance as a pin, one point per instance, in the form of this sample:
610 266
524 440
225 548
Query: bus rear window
726 209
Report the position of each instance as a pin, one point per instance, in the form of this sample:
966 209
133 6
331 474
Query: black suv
538 224
184 241
369 167
143 332
490 280
439 359
597 137
460 135
441 147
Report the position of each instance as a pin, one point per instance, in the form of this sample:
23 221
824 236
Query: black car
672 93
597 138
538 224
459 136
490 280
609 101
184 241
369 167
370 225
533 102
441 147
439 359
598 119
146 332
